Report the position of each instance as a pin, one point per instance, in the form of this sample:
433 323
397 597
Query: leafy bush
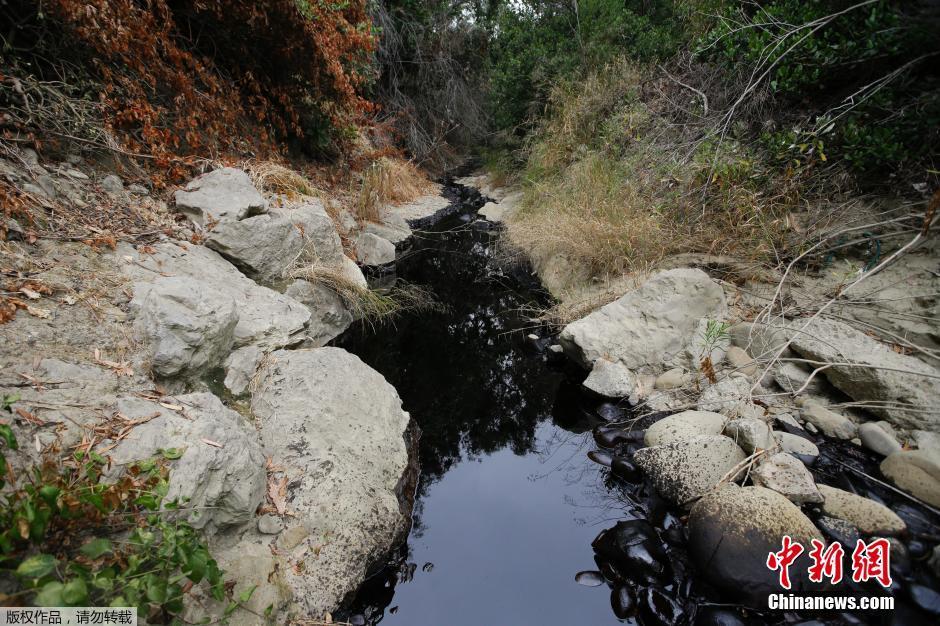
536 43
70 539
208 78
860 73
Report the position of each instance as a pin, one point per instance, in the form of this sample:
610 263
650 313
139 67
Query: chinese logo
870 561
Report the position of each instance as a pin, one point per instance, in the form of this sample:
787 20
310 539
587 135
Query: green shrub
68 538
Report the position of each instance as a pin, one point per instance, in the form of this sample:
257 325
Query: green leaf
148 501
50 494
245 595
75 592
156 589
36 566
96 548
6 434
196 564
50 595
172 453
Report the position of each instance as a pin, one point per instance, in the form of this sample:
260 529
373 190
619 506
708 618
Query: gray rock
648 328
137 190
762 341
794 444
611 380
916 472
788 419
556 349
739 359
112 184
217 485
867 515
879 437
240 368
266 318
348 270
187 326
338 429
830 423
47 184
792 377
733 529
787 476
683 426
730 396
269 524
874 373
934 561
329 316
685 470
499 212
396 232
373 250
225 194
928 442
750 433
672 379
30 156
265 246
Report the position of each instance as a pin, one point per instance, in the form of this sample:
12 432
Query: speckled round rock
733 529
685 470
868 516
683 426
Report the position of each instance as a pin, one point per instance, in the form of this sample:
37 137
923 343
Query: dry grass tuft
364 303
389 181
276 178
614 186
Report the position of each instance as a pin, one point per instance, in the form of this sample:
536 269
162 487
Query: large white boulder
265 317
338 430
219 479
265 246
649 328
186 326
224 194
329 314
902 389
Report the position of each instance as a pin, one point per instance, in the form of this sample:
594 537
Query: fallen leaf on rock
172 407
214 444
277 491
37 312
29 293
120 369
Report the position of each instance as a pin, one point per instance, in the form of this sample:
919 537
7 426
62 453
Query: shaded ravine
508 502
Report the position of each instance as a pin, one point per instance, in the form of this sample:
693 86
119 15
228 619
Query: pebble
830 423
112 184
740 360
838 530
683 426
622 601
633 549
137 190
658 608
787 476
801 447
671 379
916 472
623 468
600 457
925 598
867 515
589 578
269 524
879 437
750 434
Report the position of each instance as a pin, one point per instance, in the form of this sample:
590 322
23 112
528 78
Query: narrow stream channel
508 502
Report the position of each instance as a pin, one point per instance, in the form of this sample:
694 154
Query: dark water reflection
507 504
